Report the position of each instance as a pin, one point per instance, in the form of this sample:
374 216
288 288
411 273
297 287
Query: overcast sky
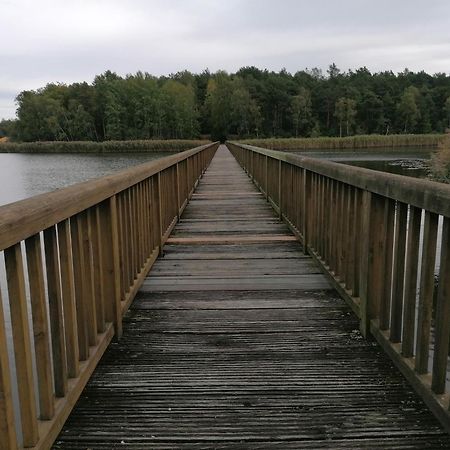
45 41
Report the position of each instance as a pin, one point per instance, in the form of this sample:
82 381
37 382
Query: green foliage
349 143
408 108
165 145
249 103
345 111
180 110
7 128
217 106
301 108
447 110
245 113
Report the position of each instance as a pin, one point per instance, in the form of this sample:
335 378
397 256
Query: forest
251 103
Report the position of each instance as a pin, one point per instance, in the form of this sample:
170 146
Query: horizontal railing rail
74 260
380 239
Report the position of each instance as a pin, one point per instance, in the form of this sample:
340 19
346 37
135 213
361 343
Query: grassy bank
101 147
349 143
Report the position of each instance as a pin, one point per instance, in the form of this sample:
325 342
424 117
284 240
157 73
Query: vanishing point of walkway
236 340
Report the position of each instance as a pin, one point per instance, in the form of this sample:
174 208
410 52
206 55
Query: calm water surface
410 162
24 175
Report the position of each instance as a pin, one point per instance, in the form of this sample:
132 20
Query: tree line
249 103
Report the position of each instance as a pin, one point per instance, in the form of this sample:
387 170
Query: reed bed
440 162
101 147
393 141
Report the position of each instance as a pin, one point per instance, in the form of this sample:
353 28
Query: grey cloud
49 40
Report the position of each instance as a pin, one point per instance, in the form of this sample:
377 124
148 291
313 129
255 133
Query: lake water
24 175
410 162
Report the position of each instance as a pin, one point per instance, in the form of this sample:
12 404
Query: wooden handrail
24 218
425 194
88 249
376 236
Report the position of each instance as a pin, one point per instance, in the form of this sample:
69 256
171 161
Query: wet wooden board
256 250
237 283
229 239
243 345
224 268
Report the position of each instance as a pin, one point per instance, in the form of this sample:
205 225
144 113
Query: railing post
306 183
98 270
425 306
79 282
55 312
411 270
111 263
87 264
159 213
385 306
40 327
364 262
7 424
22 344
68 296
177 188
280 214
372 258
266 188
442 315
188 177
398 282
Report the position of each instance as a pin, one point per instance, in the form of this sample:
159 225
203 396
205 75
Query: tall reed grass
101 147
440 161
350 142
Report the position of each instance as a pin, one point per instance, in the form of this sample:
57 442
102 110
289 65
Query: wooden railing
379 238
78 256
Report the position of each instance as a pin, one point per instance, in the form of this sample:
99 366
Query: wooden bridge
248 331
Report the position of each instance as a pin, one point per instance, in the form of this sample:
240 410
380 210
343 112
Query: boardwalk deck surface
236 340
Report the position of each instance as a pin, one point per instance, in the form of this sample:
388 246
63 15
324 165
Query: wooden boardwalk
236 340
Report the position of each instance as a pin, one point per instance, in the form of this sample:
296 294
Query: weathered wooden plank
227 267
230 239
313 281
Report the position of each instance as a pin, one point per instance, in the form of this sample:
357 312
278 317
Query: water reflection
11 184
